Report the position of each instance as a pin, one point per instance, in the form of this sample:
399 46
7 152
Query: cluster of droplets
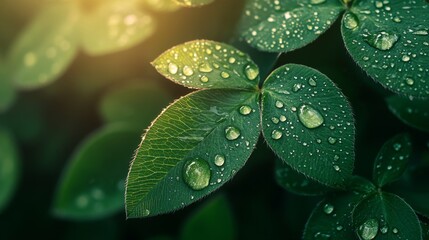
276 25
206 63
369 229
397 52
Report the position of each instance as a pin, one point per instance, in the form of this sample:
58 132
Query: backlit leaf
308 123
390 41
92 185
208 64
195 146
282 26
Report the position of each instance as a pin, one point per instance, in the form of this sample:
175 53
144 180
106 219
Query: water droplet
187 71
351 21
276 134
337 168
405 58
82 201
368 230
30 59
196 174
251 71
205 68
397 19
312 82
383 40
145 213
315 2
275 120
332 140
378 4
232 133
339 227
310 117
328 208
245 110
409 81
397 146
283 118
219 160
224 75
231 60
279 104
384 229
395 230
297 87
204 79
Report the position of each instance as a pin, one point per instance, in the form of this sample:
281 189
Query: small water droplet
251 72
383 40
283 118
395 230
276 134
172 68
279 104
245 110
224 75
196 174
397 146
30 59
187 71
328 208
312 82
145 213
232 133
204 79
339 227
384 229
231 60
368 230
337 168
315 2
332 140
297 87
405 58
397 19
275 120
409 81
310 117
219 160
205 68
351 21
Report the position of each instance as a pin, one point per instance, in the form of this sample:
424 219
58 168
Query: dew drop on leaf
245 110
219 160
328 208
383 40
232 133
315 2
205 68
368 230
279 104
251 72
276 134
224 75
282 118
332 140
196 174
204 79
350 21
145 213
172 68
312 82
187 71
310 117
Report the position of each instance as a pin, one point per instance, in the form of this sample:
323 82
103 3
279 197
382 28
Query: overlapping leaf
309 124
414 113
9 168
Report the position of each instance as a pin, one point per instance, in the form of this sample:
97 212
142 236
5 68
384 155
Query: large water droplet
405 58
351 21
312 82
315 2
368 230
328 208
232 133
383 40
196 174
205 68
279 104
187 71
310 117
245 110
251 71
219 160
224 75
276 135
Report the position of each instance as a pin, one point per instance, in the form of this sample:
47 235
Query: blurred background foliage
65 146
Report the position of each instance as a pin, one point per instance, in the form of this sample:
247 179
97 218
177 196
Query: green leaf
208 64
9 168
45 48
389 40
214 221
361 185
414 113
114 26
195 146
134 104
296 182
386 216
92 185
193 3
392 160
7 90
161 5
332 219
283 26
308 123
425 230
